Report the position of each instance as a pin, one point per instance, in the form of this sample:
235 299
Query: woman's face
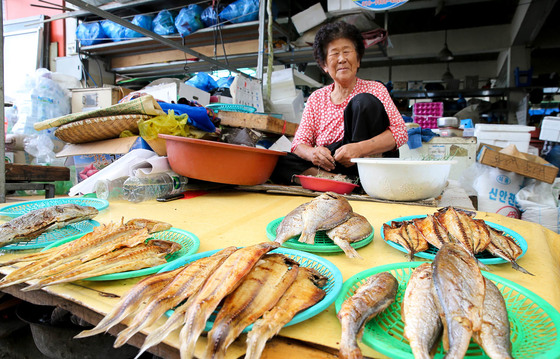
342 61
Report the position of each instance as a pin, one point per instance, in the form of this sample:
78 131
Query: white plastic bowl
403 180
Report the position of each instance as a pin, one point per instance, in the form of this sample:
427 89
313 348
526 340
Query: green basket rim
18 209
324 245
484 257
169 235
219 106
552 353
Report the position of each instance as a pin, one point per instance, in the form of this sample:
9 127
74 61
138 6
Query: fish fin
308 238
347 248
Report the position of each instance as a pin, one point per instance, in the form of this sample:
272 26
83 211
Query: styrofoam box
504 135
341 5
309 18
550 129
290 108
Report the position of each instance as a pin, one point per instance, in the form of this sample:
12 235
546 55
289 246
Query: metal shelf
494 92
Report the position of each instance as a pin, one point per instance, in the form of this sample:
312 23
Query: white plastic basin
403 180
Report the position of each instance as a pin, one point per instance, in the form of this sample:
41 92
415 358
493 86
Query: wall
16 9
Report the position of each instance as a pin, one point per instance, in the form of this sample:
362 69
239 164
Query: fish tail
188 340
307 237
155 337
258 336
105 324
520 268
195 320
350 353
347 248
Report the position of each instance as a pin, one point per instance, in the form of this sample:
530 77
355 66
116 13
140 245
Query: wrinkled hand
321 156
344 153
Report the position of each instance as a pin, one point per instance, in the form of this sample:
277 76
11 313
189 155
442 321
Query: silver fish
370 299
505 248
494 336
324 212
32 224
460 288
354 229
291 225
422 323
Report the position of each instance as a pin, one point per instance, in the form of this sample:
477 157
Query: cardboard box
171 92
550 129
97 155
525 164
309 18
96 98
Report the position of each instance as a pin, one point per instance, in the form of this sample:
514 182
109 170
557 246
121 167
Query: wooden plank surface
264 123
31 173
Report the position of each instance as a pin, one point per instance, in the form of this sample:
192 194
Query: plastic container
504 135
110 189
139 189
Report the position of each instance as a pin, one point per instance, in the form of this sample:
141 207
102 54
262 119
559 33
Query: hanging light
447 75
445 54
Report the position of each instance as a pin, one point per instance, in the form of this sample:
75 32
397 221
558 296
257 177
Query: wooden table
220 219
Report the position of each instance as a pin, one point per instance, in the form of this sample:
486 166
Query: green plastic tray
17 209
323 244
231 107
189 242
323 266
484 256
533 321
66 233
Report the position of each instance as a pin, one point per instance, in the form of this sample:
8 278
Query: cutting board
259 122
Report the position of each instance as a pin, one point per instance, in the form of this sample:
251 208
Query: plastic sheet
113 30
203 81
197 116
209 16
144 21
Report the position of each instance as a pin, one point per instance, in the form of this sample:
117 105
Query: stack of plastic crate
426 113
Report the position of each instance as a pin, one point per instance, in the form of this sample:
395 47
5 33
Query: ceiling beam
528 21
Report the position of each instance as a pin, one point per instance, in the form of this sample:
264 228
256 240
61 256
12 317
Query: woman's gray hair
334 31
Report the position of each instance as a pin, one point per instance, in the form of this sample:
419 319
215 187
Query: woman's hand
321 156
343 154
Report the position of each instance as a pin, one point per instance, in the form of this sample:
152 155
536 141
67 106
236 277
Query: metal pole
2 134
262 31
107 15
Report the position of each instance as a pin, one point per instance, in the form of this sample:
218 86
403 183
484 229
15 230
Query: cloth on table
418 135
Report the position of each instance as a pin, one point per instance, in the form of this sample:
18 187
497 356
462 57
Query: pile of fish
328 212
371 298
34 223
452 296
252 285
451 225
110 248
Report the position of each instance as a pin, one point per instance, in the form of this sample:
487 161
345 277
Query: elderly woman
348 119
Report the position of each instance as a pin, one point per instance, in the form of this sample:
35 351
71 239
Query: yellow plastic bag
168 124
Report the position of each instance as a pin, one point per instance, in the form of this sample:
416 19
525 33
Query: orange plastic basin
220 162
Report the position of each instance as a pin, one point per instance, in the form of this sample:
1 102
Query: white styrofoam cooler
550 129
504 135
309 18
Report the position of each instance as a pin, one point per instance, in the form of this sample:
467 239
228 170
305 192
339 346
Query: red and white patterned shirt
322 122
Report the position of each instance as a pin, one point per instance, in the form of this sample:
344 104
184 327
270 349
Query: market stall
231 218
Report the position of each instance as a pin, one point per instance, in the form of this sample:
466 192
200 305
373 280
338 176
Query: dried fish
494 335
260 291
354 229
221 283
422 323
460 288
291 225
407 235
132 302
185 284
304 292
32 224
152 225
432 230
370 299
506 248
324 212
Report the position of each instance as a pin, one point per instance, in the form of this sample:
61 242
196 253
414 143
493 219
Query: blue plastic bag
164 23
90 33
209 16
188 20
240 11
203 81
113 30
225 82
143 21
197 116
